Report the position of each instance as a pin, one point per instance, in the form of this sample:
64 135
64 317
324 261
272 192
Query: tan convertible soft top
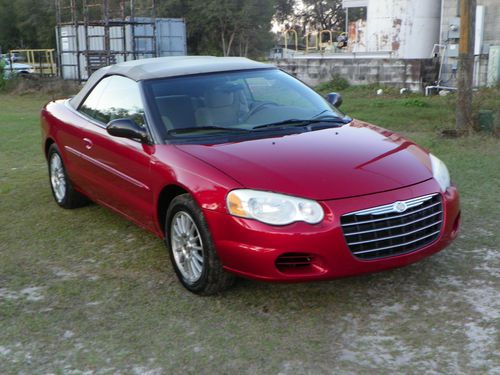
162 67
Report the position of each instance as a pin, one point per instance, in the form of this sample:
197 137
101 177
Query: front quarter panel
207 185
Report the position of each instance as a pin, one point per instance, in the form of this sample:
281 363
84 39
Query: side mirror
127 128
334 99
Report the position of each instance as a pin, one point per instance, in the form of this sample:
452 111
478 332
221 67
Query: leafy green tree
284 11
310 15
224 27
219 27
254 34
323 14
27 24
36 23
221 20
9 33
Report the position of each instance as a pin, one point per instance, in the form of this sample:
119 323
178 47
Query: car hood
351 160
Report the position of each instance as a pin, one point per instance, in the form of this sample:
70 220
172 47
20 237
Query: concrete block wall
413 74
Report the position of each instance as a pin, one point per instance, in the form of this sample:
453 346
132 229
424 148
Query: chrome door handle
88 143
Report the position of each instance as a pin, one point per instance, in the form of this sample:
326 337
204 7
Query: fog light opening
300 264
290 261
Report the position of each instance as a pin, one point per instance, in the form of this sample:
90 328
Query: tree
227 27
9 33
284 11
224 18
27 24
310 15
323 15
219 27
36 23
254 27
198 40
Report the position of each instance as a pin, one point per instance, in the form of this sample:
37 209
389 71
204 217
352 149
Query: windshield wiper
195 129
330 120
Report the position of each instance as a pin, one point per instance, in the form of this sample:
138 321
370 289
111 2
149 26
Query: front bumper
250 248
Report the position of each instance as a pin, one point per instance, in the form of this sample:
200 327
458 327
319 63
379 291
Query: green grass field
86 292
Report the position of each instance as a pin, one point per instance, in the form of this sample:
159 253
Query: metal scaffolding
96 32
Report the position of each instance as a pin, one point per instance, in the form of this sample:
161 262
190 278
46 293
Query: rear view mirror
334 99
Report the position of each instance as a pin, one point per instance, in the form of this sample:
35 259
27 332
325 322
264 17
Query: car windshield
235 103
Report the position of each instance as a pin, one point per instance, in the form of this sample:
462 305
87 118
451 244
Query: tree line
215 27
27 24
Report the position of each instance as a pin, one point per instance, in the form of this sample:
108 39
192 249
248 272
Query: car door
117 169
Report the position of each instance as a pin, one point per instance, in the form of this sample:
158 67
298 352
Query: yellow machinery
314 36
42 60
328 44
296 38
317 41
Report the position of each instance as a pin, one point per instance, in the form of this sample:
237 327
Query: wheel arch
48 142
167 194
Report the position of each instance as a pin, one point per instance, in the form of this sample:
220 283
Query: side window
91 104
112 98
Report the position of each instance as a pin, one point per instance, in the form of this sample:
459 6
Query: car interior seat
177 111
224 106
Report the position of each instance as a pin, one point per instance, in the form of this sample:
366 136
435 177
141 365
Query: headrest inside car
219 98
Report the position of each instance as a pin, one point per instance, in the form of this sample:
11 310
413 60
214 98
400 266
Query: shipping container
82 49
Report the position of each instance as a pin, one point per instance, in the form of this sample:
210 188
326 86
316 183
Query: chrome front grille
393 229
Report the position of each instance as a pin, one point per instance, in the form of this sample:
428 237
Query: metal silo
406 28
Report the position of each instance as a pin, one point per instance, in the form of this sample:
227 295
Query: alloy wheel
187 246
57 177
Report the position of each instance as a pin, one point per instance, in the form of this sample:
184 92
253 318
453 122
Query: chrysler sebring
245 171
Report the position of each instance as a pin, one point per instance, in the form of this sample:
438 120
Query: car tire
191 249
62 189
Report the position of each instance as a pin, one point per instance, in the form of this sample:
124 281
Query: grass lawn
86 292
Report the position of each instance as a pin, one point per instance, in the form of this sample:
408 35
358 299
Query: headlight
272 208
440 173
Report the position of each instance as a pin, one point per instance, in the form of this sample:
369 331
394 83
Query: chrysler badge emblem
399 207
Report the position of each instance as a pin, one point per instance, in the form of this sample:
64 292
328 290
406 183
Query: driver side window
112 98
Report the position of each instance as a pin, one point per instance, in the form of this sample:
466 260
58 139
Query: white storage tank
406 28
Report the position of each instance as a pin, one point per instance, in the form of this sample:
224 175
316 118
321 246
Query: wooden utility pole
464 121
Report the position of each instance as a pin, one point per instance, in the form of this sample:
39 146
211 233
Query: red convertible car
246 171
